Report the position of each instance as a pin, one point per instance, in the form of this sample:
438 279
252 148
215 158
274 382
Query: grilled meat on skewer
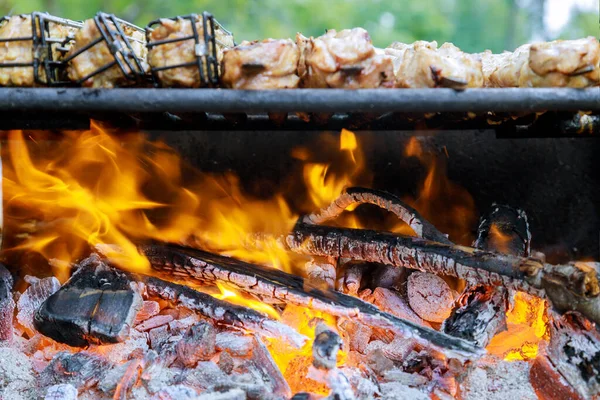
345 59
424 65
22 51
270 64
184 51
99 55
562 63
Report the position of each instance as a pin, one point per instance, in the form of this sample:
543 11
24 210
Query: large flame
103 191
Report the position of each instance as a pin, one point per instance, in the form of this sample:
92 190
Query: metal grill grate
119 44
205 47
42 46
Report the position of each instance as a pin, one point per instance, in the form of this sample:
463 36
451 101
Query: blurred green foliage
473 25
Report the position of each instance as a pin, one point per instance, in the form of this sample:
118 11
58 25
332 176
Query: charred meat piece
270 64
93 59
345 59
424 65
562 63
184 51
22 51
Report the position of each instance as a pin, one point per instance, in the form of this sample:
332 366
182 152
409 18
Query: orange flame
233 296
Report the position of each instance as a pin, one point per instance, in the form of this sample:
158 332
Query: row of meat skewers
196 51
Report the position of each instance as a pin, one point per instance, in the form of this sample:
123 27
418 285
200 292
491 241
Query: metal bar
306 100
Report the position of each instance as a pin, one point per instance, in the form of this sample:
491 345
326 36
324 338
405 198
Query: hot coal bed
397 233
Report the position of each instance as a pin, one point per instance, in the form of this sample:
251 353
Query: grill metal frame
41 47
206 61
379 101
118 44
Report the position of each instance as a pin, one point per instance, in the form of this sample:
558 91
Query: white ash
398 391
364 388
119 352
154 322
235 343
176 392
15 371
32 298
61 392
232 394
495 379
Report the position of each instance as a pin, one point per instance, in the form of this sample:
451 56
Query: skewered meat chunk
99 55
184 51
424 65
345 59
270 64
22 51
562 63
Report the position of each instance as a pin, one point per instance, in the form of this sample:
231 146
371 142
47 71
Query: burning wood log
218 310
270 284
325 347
481 310
568 287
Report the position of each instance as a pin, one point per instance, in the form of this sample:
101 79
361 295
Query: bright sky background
558 11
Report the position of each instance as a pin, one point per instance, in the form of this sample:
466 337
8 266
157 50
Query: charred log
574 350
97 305
481 310
223 313
578 283
325 347
275 285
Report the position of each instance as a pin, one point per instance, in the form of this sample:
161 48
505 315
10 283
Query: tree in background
473 25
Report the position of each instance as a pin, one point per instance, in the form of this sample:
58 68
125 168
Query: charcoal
120 352
198 344
7 304
61 392
269 370
339 385
154 322
206 374
325 347
129 379
82 370
392 302
236 344
111 379
31 300
357 334
97 305
149 309
159 337
226 362
548 383
364 389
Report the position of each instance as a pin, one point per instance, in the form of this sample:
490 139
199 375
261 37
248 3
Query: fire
294 363
232 296
445 204
526 328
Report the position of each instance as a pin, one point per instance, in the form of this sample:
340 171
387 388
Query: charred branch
387 201
578 283
275 285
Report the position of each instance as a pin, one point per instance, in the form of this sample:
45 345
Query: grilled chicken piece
424 65
270 64
22 51
345 59
99 55
183 52
562 63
